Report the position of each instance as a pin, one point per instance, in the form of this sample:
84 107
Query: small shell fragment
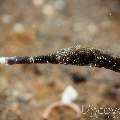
69 95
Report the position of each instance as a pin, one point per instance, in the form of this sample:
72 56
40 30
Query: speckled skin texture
77 55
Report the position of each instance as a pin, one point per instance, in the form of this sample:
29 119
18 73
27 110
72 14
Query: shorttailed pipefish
77 55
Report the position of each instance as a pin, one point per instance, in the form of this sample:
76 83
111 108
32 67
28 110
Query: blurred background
35 27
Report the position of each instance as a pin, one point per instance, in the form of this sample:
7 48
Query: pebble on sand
48 10
18 28
38 2
69 95
6 18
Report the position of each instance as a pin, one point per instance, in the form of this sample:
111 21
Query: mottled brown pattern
76 55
